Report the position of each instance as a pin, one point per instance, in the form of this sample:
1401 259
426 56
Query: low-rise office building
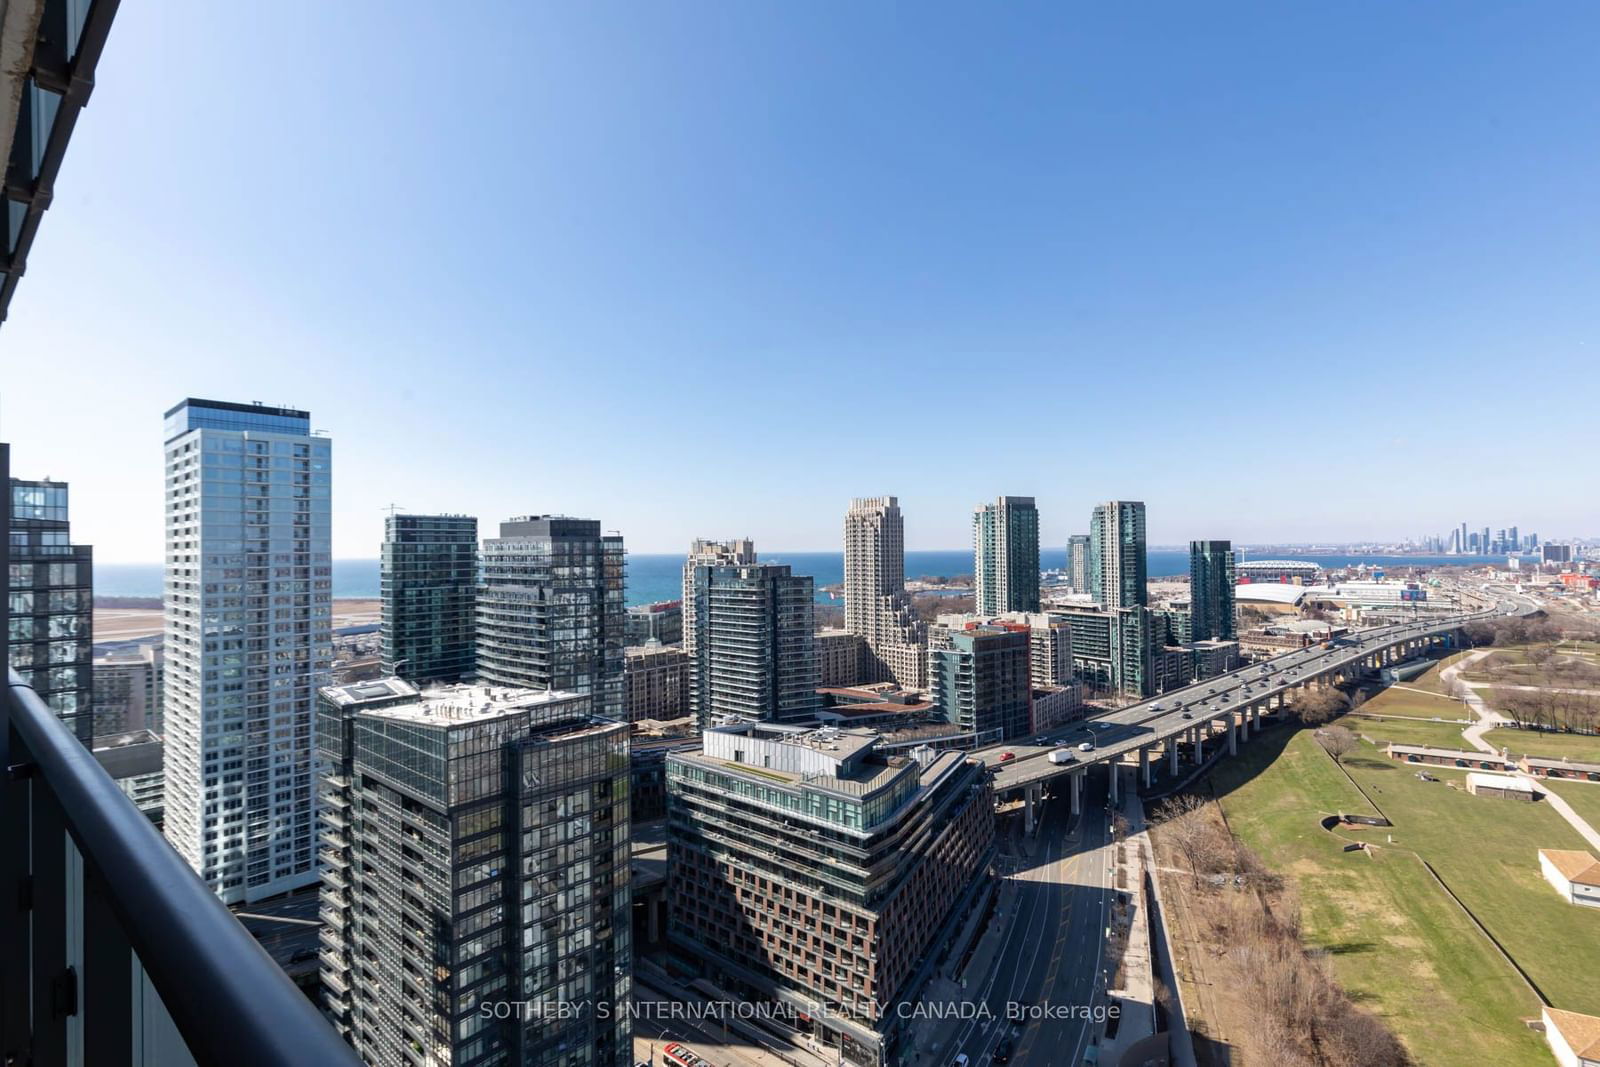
807 868
655 682
661 621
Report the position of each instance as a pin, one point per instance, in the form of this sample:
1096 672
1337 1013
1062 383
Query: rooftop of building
1575 865
1561 764
1273 564
1508 782
455 705
1580 1032
1270 592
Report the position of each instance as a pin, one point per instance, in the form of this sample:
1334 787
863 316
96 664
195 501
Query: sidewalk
1488 719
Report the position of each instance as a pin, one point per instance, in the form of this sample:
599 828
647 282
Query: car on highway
1087 746
1155 706
960 1060
1041 740
1002 1051
1007 757
1188 715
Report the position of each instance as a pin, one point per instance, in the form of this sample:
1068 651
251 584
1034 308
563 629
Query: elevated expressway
1231 704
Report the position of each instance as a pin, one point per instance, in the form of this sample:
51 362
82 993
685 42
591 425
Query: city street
1049 961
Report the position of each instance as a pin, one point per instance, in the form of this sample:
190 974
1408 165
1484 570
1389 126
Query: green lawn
1406 731
1429 679
1486 849
1582 747
1583 796
1396 941
1397 701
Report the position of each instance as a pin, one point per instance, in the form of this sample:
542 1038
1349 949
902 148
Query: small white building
1505 786
1574 1038
1575 874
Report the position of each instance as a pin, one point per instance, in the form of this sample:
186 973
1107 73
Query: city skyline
1181 243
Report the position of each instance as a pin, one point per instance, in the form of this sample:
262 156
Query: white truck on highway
1062 755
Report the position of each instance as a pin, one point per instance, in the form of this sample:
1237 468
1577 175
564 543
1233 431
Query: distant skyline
1286 274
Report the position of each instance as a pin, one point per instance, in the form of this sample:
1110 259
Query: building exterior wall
823 890
840 658
429 582
50 604
703 553
981 682
475 855
1211 584
1117 555
1005 545
1078 572
550 609
247 642
876 604
754 644
661 621
656 683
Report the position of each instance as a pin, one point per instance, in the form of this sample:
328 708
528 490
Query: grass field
1397 701
1394 938
1583 796
1582 747
1406 731
1429 679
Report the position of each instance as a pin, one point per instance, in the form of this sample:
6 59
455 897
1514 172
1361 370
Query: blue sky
1285 272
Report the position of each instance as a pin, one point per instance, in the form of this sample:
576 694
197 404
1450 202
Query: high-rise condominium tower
248 641
50 604
1005 555
1078 563
755 658
1117 554
476 851
430 582
550 609
1211 581
708 553
876 605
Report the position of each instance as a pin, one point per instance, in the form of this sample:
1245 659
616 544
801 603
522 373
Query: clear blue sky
1283 271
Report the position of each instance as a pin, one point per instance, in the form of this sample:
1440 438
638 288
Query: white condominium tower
248 641
707 553
876 604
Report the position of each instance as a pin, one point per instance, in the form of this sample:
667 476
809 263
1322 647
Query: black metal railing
72 931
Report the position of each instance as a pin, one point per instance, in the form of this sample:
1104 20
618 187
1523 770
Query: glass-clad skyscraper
1005 550
1117 554
754 643
475 850
248 640
550 609
1211 591
429 584
50 604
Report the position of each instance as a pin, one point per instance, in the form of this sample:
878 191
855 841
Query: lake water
660 577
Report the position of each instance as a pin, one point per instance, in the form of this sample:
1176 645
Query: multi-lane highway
1129 729
1042 987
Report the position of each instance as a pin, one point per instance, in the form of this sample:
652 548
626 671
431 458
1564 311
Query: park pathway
1488 719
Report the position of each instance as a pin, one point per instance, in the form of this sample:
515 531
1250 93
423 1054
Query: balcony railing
112 951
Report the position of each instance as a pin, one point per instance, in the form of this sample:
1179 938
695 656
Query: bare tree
1184 823
1337 741
1316 705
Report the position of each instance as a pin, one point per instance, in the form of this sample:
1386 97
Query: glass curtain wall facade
981 682
1211 591
550 609
1117 555
477 850
429 583
247 641
50 604
1078 563
1005 548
